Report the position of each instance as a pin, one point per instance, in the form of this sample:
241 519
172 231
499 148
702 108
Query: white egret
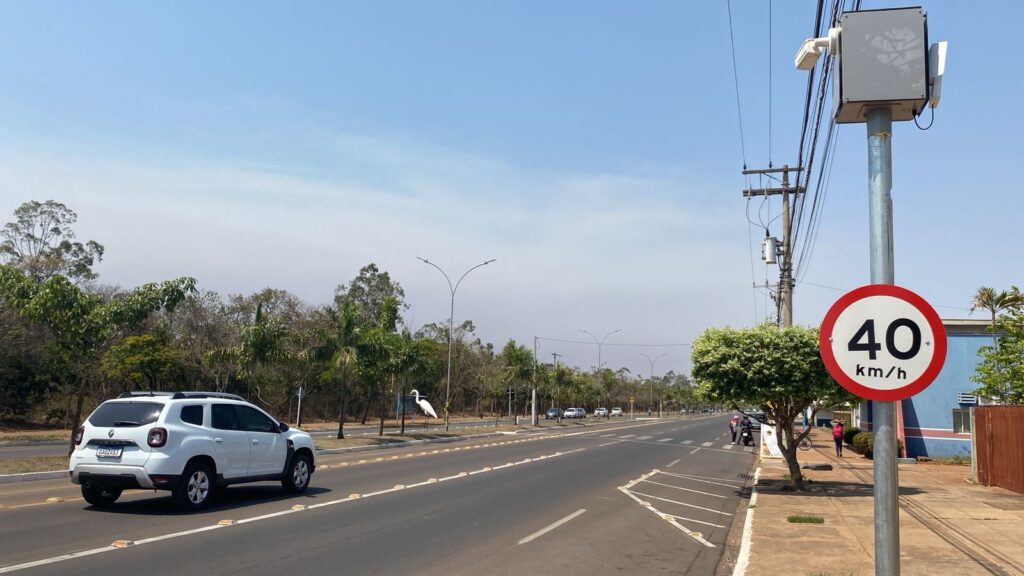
424 405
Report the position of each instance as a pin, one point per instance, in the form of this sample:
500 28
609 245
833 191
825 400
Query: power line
736 81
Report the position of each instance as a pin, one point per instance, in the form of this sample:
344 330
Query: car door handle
218 440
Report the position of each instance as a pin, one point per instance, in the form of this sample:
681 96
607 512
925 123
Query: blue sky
591 147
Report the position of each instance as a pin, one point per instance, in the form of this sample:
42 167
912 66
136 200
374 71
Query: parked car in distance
553 413
602 412
575 413
616 411
190 443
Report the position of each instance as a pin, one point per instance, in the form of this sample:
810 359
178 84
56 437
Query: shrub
864 443
849 434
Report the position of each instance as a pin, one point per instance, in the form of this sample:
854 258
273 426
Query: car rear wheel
195 488
296 480
100 495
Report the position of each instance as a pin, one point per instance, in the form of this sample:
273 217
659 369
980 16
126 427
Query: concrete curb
30 476
743 558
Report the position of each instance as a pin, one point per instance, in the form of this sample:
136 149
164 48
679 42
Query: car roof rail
224 395
136 393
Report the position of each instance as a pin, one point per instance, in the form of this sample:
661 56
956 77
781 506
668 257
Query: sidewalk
947 525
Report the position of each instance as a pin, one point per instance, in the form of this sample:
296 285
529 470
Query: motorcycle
747 437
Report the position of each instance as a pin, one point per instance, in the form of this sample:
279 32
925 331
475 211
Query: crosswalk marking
706 444
665 440
687 441
627 436
643 437
606 435
728 446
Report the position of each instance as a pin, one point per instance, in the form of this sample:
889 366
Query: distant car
601 412
553 413
575 413
616 411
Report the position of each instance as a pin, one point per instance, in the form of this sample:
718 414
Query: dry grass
36 464
18 435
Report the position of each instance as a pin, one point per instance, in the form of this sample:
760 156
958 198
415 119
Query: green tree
84 325
777 369
995 302
368 291
147 358
1000 373
41 243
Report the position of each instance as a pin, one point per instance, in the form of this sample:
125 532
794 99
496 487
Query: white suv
187 442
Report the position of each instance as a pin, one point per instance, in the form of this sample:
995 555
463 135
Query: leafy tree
995 302
147 357
777 369
1000 373
516 365
368 291
84 325
41 243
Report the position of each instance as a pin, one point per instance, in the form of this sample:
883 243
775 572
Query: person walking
837 436
733 423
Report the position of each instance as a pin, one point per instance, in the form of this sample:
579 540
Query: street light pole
600 343
451 315
652 361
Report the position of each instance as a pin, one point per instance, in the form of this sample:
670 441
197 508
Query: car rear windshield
126 414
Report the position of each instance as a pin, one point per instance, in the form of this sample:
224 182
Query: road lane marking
687 441
684 489
682 503
728 446
707 480
697 521
665 440
670 519
672 463
706 444
610 443
694 451
627 435
643 437
550 527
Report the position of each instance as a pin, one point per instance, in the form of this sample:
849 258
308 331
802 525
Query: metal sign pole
887 511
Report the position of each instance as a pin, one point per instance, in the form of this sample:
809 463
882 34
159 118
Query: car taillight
79 434
157 437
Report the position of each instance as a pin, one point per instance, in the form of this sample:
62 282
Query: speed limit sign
883 342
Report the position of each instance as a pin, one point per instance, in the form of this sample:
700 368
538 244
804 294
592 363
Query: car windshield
126 414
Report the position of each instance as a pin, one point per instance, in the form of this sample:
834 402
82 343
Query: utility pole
785 301
554 377
533 393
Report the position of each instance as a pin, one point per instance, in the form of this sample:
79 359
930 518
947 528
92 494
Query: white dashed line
687 441
665 440
550 527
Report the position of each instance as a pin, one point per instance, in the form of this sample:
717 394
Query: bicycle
805 444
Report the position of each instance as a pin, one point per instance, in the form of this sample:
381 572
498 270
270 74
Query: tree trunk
341 410
76 420
366 409
383 412
788 447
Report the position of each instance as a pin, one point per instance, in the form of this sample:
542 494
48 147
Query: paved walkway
948 526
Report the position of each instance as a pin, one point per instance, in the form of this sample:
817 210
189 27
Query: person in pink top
837 436
733 423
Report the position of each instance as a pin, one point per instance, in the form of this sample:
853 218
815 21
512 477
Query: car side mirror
282 427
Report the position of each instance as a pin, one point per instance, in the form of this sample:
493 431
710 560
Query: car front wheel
101 496
296 480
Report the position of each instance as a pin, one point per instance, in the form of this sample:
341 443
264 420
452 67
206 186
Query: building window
961 421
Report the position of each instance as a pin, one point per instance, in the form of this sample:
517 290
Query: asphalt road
624 497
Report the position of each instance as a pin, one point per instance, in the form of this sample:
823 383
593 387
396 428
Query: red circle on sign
845 380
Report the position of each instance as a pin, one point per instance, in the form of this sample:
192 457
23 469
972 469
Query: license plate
108 452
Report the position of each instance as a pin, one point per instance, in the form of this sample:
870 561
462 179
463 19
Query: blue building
936 422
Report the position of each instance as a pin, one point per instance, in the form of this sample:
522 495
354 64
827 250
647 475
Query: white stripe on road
665 440
683 489
610 443
728 446
706 444
687 441
550 527
694 451
672 463
707 480
643 437
627 436
682 503
697 521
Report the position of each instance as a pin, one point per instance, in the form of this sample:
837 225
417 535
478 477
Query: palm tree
988 299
